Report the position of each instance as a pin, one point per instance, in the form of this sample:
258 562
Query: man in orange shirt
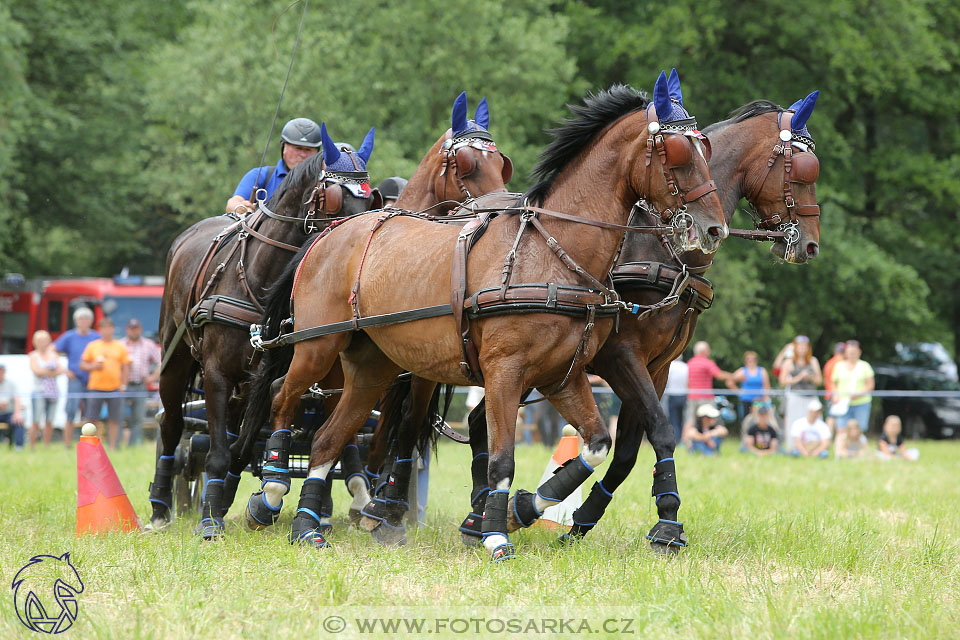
108 362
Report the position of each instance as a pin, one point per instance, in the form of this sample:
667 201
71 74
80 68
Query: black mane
573 134
747 111
297 179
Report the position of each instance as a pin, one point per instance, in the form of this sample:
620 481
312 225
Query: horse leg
217 388
358 484
503 387
172 384
234 416
311 362
367 374
383 517
577 405
470 528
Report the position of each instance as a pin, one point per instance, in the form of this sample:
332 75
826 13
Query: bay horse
621 147
462 164
763 153
215 274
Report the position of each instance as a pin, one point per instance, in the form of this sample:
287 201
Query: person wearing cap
761 436
299 140
810 435
108 362
800 376
11 409
390 189
853 382
144 370
706 434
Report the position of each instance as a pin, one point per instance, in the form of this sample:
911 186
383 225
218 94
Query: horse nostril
813 249
716 231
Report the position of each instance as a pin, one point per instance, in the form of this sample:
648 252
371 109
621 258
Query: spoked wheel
189 482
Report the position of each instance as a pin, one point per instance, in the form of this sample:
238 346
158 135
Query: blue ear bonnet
460 125
668 98
803 109
337 160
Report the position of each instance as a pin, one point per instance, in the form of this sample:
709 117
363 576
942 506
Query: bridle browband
786 221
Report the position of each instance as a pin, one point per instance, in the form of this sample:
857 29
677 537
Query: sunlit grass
780 547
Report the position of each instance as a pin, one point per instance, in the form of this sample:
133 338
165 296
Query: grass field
780 548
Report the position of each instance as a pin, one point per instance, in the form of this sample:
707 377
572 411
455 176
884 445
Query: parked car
920 366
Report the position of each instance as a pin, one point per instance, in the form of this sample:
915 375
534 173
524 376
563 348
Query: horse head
785 192
468 162
672 176
343 187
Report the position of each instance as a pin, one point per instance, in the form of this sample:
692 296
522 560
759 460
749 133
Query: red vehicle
29 305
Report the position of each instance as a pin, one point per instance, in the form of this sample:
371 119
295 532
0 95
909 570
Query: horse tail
391 420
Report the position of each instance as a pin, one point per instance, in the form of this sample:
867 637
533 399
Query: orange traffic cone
562 512
102 504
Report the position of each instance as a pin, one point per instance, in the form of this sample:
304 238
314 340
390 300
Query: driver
300 139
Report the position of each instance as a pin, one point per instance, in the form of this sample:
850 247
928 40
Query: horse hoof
355 516
521 510
210 529
667 537
512 523
470 540
311 538
664 549
568 540
156 524
389 536
368 524
258 515
503 553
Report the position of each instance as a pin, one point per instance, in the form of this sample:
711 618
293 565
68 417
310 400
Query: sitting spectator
11 410
45 364
850 441
810 436
753 380
891 443
705 435
761 437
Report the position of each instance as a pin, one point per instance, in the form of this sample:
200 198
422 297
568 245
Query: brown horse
750 159
214 277
620 148
463 163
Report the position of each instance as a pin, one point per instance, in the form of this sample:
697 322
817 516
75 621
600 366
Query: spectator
853 381
800 372
299 140
73 343
675 396
810 435
891 443
705 435
108 362
850 442
45 364
701 372
144 370
828 382
753 380
390 189
11 409
762 438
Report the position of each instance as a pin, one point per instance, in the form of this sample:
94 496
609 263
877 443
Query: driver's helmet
302 132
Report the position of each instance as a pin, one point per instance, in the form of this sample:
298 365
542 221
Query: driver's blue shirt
258 177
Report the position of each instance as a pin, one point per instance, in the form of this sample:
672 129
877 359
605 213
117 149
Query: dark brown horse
215 277
752 158
463 163
620 148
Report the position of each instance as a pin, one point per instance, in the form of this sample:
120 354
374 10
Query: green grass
780 548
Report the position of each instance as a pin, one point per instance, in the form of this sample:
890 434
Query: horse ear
330 152
367 147
458 116
661 97
804 111
673 84
482 115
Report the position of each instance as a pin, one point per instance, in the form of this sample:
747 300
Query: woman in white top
45 364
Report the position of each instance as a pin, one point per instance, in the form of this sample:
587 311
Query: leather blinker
678 150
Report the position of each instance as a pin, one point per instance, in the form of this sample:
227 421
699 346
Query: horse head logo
45 593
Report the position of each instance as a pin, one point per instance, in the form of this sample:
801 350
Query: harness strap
173 345
569 262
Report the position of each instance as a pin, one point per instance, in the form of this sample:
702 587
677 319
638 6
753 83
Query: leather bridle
670 142
459 156
799 168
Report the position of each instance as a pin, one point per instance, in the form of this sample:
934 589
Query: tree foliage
122 123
